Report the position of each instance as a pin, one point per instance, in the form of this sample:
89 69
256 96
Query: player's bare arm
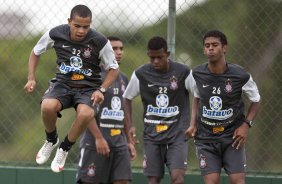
131 135
32 64
101 144
241 133
98 96
191 131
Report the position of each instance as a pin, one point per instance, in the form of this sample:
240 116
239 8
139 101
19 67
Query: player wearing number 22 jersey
164 89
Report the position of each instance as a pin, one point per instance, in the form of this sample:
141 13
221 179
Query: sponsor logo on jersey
215 111
228 86
173 83
75 66
115 113
162 109
151 85
66 46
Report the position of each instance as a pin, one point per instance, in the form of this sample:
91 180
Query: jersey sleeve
132 90
44 43
251 90
190 85
189 82
108 57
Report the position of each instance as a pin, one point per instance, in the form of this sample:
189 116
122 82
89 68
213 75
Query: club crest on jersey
202 162
87 52
122 85
228 86
173 83
91 170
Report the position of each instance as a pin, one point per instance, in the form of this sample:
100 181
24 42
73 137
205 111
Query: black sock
66 144
52 136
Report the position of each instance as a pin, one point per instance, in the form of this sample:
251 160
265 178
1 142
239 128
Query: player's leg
213 178
50 107
177 161
84 114
121 166
210 161
235 163
237 178
153 163
49 110
92 167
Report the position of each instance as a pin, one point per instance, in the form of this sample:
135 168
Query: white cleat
45 152
58 163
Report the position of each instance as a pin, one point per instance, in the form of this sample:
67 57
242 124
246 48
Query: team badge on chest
228 86
122 85
173 83
87 52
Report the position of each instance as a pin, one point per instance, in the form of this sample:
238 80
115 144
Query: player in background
105 158
77 83
218 123
163 86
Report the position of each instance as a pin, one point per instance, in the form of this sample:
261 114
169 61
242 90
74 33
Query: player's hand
240 136
191 131
97 97
132 151
132 134
30 86
102 147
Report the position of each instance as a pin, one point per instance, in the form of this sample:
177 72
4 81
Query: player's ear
168 53
69 21
225 48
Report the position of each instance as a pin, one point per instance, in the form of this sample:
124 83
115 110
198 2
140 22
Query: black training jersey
165 100
110 115
221 107
77 62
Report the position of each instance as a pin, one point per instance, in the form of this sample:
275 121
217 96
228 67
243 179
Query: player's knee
177 178
50 106
85 113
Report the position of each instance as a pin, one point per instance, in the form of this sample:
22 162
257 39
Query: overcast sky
45 14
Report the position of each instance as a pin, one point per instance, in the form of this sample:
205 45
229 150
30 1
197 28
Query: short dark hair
157 43
217 34
114 38
81 11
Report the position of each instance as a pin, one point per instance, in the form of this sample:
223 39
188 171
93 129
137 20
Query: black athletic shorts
95 168
212 157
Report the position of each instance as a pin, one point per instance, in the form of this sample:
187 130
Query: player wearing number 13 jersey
163 86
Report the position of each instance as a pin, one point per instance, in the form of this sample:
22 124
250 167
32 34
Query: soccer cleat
45 152
58 163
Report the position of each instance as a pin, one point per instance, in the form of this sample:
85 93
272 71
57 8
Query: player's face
118 49
213 49
79 27
159 59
